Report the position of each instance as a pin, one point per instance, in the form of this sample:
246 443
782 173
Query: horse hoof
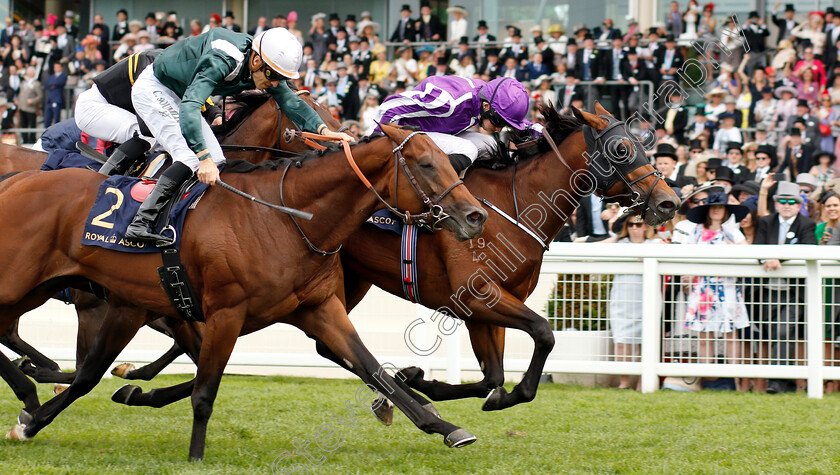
24 418
493 401
411 374
124 394
429 407
60 388
384 411
123 369
459 438
17 433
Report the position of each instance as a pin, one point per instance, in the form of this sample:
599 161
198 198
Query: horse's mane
559 126
243 166
250 101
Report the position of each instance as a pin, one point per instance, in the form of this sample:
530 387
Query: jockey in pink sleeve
448 107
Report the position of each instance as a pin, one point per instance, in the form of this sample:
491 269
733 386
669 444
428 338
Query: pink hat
292 16
51 19
215 17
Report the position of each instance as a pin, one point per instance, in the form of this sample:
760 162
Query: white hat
319 16
457 8
280 50
360 27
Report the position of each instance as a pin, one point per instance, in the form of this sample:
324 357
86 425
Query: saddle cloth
117 202
385 219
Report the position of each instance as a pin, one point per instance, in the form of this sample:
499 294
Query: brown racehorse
247 263
256 121
506 267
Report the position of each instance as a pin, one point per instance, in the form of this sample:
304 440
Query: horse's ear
391 131
591 120
600 110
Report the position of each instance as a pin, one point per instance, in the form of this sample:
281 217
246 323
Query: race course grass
567 429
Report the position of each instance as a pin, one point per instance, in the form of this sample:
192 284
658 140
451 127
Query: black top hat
425 3
581 28
401 84
795 132
789 7
724 174
352 17
802 103
653 31
441 61
767 90
334 16
753 14
481 24
665 150
151 15
123 11
695 144
669 38
830 10
588 36
699 213
307 44
492 51
727 115
229 14
631 50
405 8
770 151
733 146
714 163
572 41
516 32
465 40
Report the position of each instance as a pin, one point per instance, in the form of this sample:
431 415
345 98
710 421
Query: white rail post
815 321
651 323
453 353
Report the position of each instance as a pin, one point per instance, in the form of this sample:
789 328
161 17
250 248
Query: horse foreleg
329 323
488 343
91 312
23 388
152 369
510 312
132 395
220 336
12 340
119 327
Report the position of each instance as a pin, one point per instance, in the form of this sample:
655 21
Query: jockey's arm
210 71
299 111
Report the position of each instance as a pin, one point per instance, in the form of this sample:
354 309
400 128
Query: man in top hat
806 122
569 92
428 26
665 159
483 36
515 49
726 133
797 154
765 162
781 318
229 24
334 22
735 161
612 60
570 58
405 30
832 35
676 116
463 50
755 33
668 60
441 68
588 62
121 28
785 24
489 65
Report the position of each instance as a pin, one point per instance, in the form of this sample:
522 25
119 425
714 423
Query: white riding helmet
280 50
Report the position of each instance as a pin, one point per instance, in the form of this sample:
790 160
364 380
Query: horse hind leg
22 386
119 327
12 340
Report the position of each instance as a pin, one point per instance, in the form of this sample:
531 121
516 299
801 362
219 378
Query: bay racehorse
486 287
248 264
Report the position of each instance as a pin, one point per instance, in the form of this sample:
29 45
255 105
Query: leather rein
430 219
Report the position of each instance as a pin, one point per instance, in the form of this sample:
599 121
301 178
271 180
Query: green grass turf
566 429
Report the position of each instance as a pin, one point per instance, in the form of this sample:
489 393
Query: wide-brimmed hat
707 187
142 34
360 27
458 9
555 28
786 189
128 37
319 16
779 90
718 91
816 157
619 222
539 80
748 186
580 27
90 40
698 214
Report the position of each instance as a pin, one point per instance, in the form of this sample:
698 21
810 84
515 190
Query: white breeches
98 118
472 144
159 108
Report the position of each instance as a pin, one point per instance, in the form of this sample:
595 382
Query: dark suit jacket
521 74
611 35
510 52
492 70
428 30
659 59
5 37
803 229
583 226
803 160
607 64
829 56
781 22
640 71
410 31
595 64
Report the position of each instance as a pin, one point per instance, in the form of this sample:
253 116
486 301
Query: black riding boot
459 162
125 156
142 226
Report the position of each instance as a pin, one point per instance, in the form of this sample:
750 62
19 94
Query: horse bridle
430 219
600 143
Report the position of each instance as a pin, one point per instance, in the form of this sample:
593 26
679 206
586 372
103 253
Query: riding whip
290 211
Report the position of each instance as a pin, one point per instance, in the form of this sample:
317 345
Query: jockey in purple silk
448 107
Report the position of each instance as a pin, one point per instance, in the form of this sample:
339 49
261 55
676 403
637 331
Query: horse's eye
427 165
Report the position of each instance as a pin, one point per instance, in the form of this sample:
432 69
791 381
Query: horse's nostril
667 205
476 217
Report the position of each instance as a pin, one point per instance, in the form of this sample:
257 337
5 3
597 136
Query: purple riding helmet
508 101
